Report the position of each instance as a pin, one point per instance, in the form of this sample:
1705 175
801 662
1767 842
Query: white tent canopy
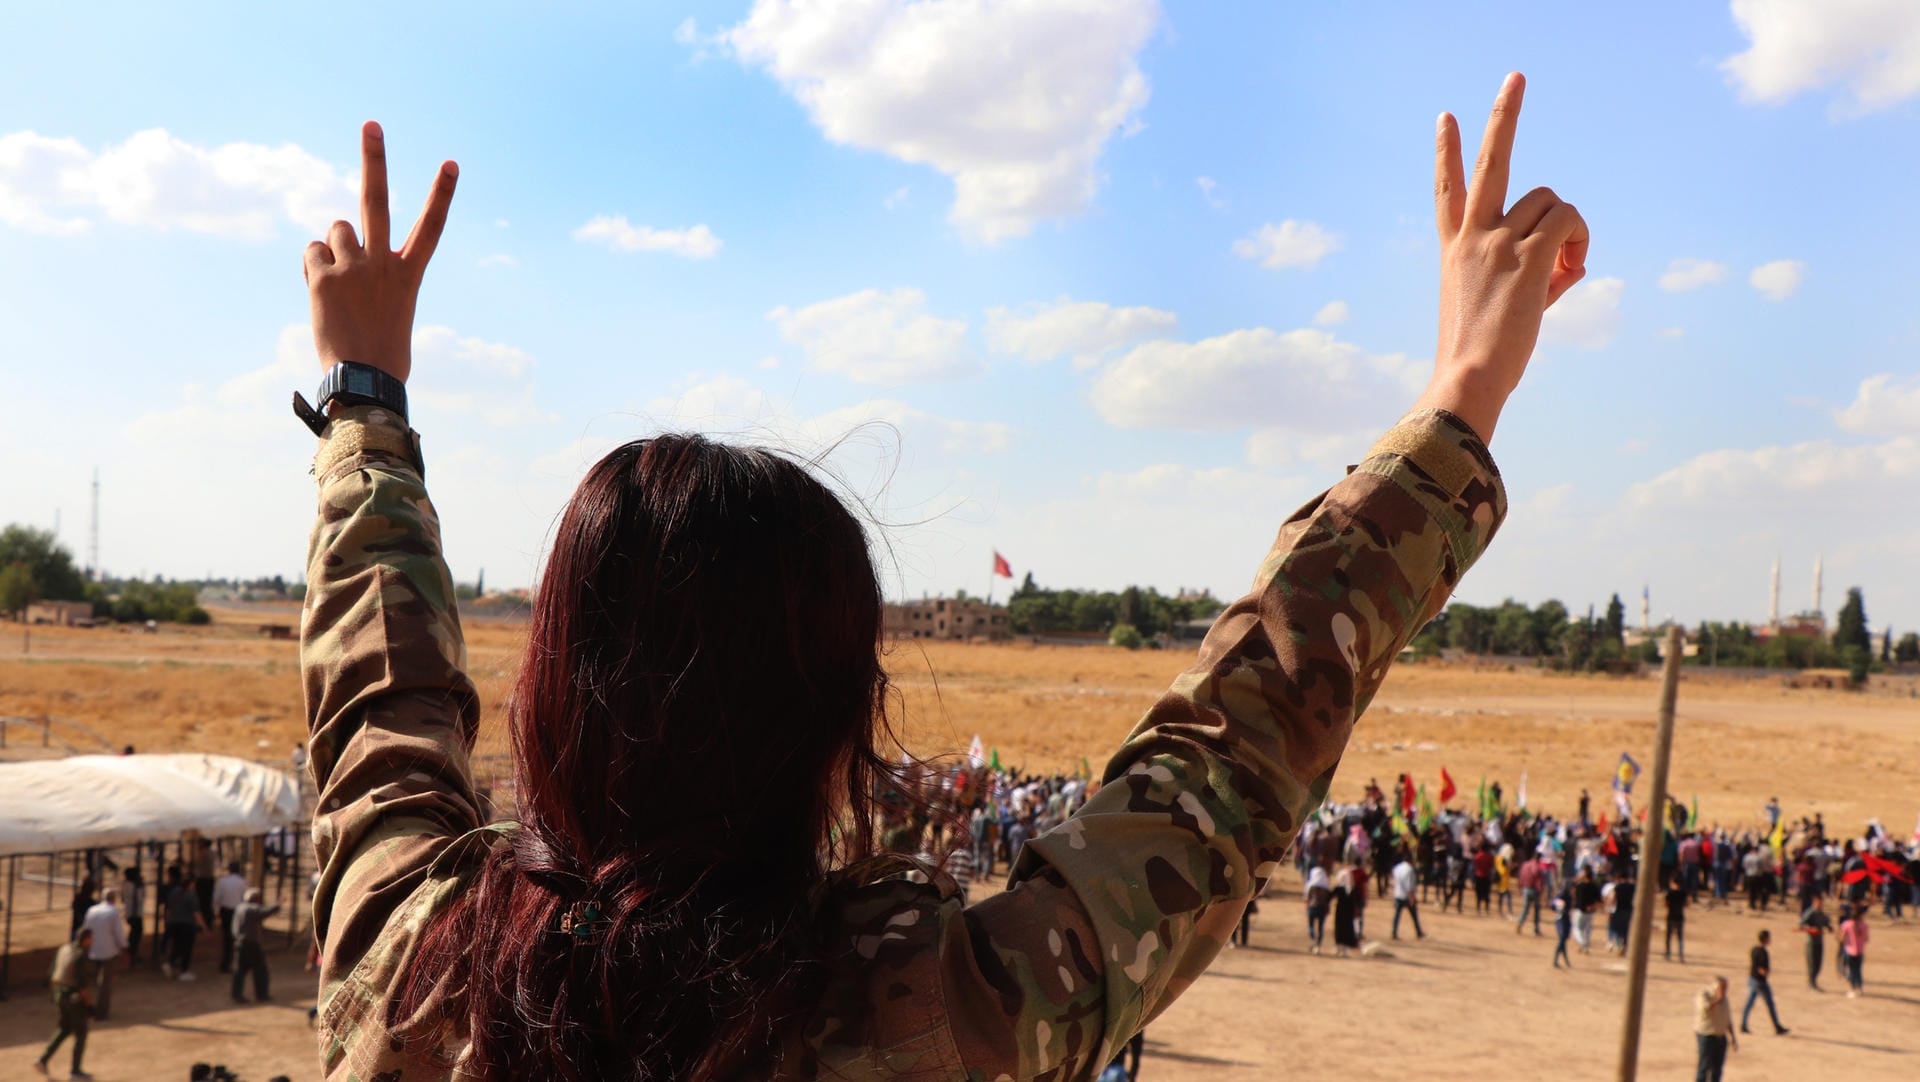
98 801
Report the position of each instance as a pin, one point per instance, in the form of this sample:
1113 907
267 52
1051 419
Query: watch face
358 381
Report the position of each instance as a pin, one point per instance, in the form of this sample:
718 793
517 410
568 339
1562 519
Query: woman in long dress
1346 911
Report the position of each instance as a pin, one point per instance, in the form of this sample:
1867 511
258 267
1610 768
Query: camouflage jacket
1112 915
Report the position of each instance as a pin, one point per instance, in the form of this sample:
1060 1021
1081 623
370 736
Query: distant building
945 618
62 613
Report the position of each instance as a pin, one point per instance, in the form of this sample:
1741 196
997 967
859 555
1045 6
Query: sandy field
1471 1000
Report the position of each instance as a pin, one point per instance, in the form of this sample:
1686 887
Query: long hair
694 731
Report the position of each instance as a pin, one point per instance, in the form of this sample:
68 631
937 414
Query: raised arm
390 709
1121 908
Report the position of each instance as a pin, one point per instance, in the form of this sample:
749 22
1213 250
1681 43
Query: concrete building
945 618
62 613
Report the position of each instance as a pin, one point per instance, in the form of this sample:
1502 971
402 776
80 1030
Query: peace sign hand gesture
1499 270
363 297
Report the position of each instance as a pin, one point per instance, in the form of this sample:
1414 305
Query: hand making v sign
363 295
1499 271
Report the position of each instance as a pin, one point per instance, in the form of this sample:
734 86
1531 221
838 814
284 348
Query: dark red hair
694 730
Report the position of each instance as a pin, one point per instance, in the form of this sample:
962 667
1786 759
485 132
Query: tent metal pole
6 952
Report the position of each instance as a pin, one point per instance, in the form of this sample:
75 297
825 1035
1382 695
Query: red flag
1406 794
1610 847
1601 826
1446 786
1000 565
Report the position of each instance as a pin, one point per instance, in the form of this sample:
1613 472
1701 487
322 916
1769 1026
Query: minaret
1817 609
1773 597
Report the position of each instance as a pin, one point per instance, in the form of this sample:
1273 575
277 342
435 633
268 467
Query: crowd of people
109 925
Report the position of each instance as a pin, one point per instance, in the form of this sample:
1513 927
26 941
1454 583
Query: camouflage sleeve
391 712
1118 910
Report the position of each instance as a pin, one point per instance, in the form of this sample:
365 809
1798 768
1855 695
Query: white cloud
1246 378
498 259
1278 448
158 181
897 198
1087 331
1208 187
617 233
1331 314
1870 46
1685 274
1671 332
444 344
1779 279
1817 474
877 336
867 444
1586 316
1882 407
1289 244
1014 101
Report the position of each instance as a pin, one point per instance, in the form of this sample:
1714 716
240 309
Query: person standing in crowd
1405 888
108 937
85 897
184 922
1586 900
203 880
1563 914
1713 1031
1319 897
980 828
72 983
134 892
228 892
1815 924
1482 865
1532 893
1677 917
1620 916
1759 986
248 919
1346 911
1853 950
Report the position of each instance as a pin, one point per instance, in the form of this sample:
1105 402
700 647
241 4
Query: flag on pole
1601 826
1000 565
1426 808
1407 805
1625 773
993 760
1778 839
1693 814
1625 805
1522 796
1446 787
976 753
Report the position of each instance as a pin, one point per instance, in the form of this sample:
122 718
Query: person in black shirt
1816 924
1677 919
1758 986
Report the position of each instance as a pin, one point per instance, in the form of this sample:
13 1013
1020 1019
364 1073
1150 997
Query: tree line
1129 617
1594 642
34 566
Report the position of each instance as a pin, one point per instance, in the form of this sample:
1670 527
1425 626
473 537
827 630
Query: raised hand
363 296
1500 267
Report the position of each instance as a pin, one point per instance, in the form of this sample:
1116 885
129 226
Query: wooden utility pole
1651 844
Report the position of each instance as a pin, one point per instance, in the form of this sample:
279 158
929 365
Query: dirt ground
1472 1000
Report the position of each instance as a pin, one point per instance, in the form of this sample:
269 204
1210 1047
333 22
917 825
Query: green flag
1483 798
994 761
1426 808
1693 814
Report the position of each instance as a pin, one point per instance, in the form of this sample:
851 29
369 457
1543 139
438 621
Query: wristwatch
355 384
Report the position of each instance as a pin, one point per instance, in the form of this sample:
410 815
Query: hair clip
584 922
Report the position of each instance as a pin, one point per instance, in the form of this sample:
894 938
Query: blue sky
1121 283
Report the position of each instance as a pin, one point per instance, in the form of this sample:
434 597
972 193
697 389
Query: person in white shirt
109 930
1406 885
228 892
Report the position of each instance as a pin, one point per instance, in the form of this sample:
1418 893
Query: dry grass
223 688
